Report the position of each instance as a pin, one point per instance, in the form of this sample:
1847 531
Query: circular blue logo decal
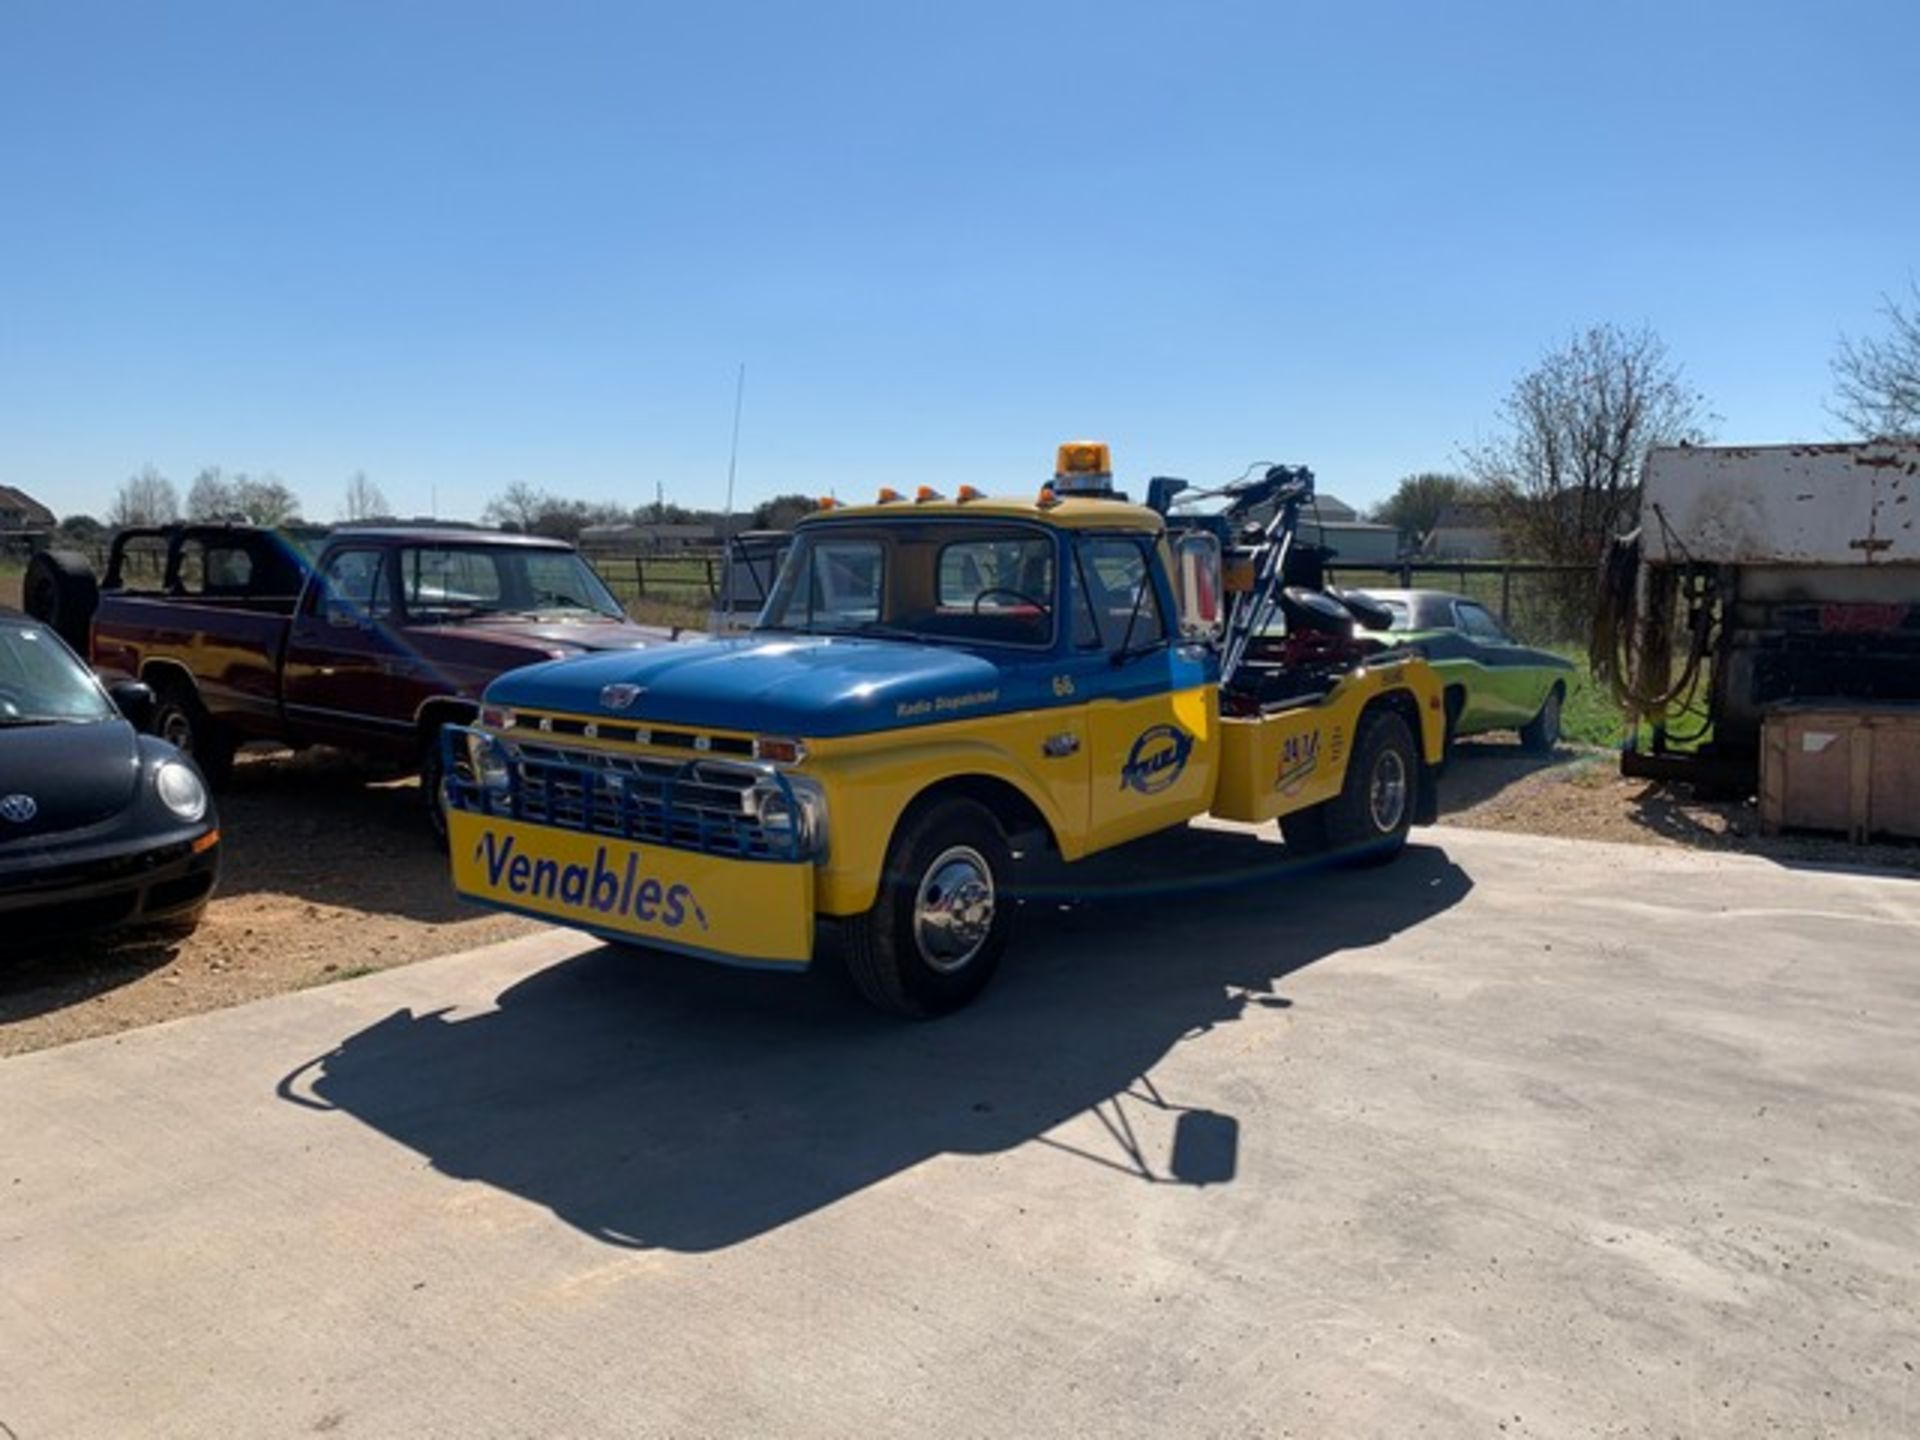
1156 760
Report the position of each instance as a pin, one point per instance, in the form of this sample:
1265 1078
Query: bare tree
1565 475
265 500
365 500
1417 503
210 496
1876 381
518 507
148 498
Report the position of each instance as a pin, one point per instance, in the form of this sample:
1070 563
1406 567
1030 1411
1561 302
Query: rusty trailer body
1763 577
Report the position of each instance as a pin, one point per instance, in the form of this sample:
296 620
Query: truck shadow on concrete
657 1102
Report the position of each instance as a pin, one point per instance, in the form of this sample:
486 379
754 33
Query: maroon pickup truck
367 639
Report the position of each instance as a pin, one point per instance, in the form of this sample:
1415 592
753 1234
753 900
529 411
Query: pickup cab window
1121 608
986 584
450 582
351 585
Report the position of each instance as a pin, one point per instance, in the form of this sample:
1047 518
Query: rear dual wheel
1368 821
940 923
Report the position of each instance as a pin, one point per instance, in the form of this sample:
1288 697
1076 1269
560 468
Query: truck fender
894 781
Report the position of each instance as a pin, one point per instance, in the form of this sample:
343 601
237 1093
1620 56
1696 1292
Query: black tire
1541 734
182 721
1456 705
892 957
432 773
1368 821
59 590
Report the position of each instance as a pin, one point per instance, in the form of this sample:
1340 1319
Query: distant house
20 513
1355 543
648 539
1466 530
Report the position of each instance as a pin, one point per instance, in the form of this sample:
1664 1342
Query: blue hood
805 685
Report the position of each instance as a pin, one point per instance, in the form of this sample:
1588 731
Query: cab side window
1121 605
355 579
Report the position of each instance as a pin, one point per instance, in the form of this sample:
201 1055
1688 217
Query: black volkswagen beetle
100 826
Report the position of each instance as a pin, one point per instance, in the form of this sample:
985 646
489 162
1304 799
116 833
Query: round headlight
180 790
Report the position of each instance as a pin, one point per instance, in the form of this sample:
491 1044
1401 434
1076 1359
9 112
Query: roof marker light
888 496
966 493
926 493
1047 498
827 502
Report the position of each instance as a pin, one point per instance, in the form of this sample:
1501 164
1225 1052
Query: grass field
10 574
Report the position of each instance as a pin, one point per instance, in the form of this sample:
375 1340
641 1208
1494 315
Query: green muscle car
1492 681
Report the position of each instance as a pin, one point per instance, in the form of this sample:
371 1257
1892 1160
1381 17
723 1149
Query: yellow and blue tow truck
936 684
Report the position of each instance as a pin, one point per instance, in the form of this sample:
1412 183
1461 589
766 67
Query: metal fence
1541 604
682 578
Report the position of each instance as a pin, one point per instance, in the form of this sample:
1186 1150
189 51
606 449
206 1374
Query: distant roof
1332 507
31 509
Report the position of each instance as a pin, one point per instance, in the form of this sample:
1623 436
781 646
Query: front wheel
1368 821
182 721
433 776
939 926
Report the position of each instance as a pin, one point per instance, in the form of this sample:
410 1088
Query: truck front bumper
752 912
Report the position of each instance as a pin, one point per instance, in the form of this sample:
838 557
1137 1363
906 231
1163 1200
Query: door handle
1058 747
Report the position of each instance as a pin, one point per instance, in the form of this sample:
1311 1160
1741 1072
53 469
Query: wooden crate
1851 767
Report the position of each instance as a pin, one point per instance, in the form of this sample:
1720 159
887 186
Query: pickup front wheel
937 931
182 721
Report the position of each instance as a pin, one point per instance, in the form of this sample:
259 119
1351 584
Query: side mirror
135 701
1196 585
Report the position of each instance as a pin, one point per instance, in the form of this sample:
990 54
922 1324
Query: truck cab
936 684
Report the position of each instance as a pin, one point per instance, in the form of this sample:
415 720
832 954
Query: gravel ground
329 874
1581 795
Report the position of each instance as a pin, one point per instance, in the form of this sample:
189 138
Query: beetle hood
71 775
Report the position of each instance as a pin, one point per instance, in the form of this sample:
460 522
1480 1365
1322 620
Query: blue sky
461 245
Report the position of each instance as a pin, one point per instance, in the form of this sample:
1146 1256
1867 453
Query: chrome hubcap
953 911
1387 792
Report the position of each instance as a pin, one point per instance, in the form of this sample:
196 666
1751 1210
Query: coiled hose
1616 650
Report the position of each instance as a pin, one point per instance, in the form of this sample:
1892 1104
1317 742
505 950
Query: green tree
782 511
1417 502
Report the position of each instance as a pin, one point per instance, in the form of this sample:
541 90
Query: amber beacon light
1083 467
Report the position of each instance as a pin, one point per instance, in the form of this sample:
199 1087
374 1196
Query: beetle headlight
180 790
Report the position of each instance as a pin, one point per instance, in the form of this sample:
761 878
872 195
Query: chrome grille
703 805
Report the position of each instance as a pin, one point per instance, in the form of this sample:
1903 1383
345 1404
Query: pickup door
347 663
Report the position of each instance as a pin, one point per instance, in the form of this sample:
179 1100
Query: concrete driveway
1518 1135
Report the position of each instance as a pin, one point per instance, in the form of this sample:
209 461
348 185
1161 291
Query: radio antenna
726 522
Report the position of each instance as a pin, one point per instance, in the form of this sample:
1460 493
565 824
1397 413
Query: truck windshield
969 583
42 684
460 581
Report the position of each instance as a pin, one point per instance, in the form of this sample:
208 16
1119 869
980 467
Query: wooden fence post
1506 594
639 579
